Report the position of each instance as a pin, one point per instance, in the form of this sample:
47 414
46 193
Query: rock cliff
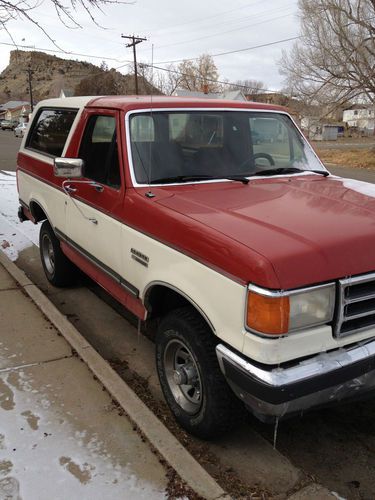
52 74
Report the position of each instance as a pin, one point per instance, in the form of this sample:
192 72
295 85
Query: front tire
193 385
57 267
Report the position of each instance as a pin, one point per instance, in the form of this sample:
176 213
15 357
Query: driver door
92 205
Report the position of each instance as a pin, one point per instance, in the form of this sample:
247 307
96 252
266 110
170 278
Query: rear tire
193 385
59 270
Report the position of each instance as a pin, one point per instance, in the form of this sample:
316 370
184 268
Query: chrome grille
356 310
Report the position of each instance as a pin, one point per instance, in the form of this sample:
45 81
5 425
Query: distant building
361 117
316 130
13 110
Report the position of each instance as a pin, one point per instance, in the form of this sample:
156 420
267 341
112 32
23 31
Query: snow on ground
43 455
14 236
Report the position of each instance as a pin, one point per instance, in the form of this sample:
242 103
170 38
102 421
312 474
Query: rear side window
50 130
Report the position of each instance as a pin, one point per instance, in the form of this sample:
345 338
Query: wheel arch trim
32 203
152 284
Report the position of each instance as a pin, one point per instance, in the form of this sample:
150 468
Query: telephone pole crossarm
135 40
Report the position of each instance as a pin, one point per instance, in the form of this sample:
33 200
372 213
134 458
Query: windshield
185 146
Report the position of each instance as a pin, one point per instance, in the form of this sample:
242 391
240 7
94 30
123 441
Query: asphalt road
9 145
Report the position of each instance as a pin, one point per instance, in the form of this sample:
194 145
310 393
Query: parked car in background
20 130
8 124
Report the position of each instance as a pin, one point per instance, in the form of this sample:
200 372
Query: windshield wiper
203 177
289 170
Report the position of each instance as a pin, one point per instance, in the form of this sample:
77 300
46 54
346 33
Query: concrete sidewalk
61 436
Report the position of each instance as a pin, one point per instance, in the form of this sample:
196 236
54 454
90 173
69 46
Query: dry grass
357 158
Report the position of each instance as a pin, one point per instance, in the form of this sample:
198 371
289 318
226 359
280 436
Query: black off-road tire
218 409
59 270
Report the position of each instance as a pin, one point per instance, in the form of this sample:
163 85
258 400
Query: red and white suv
217 220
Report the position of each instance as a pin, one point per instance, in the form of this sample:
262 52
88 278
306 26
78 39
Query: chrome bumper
323 379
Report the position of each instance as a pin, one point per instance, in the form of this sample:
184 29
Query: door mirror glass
68 167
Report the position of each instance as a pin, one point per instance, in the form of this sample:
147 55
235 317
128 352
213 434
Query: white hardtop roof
66 102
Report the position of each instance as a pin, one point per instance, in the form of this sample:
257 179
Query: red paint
109 284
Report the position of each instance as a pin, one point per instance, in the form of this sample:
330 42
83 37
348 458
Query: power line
224 32
204 78
209 17
233 51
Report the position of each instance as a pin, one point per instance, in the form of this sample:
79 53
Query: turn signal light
268 315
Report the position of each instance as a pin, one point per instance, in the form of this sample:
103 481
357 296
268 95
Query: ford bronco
216 222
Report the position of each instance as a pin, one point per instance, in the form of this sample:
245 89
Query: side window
50 130
100 152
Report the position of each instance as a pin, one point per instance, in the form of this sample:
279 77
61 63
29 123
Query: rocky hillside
52 74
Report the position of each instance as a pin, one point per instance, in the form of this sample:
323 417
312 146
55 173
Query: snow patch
14 235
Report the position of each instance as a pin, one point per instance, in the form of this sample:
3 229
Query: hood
310 228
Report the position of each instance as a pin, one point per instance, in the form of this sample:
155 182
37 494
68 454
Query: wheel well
37 211
161 299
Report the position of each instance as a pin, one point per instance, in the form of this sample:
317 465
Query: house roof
359 106
13 105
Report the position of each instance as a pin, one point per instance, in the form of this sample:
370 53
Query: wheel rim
183 376
48 254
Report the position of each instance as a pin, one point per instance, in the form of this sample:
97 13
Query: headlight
277 313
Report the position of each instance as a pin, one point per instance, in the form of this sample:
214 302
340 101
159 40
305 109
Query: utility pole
30 72
135 41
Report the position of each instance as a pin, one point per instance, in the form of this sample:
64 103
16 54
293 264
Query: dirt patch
357 158
225 477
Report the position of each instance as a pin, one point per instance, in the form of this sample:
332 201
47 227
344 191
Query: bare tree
65 11
201 75
250 87
334 60
167 81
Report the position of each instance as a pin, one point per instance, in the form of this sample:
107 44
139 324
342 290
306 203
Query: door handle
69 189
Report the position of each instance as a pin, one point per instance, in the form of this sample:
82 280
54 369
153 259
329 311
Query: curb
158 435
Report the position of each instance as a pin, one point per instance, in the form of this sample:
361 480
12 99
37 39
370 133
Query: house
15 110
361 117
316 130
233 95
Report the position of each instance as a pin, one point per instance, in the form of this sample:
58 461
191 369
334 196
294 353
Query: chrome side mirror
68 167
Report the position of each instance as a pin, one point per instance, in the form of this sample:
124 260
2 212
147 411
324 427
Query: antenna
150 194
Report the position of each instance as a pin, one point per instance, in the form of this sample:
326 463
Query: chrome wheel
48 254
183 376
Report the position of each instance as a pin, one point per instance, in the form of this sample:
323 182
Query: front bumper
326 378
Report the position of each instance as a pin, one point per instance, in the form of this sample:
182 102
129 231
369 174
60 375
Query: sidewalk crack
30 365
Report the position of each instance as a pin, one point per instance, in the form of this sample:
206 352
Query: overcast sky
177 30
